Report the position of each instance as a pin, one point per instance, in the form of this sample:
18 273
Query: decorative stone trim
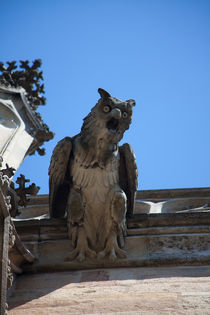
12 252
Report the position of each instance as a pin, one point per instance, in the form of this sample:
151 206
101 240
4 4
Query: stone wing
59 178
128 175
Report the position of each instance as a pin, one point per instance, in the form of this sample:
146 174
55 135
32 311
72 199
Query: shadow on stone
52 287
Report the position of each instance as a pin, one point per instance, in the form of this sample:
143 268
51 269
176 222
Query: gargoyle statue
94 181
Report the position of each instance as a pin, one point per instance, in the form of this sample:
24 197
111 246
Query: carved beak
116 113
113 123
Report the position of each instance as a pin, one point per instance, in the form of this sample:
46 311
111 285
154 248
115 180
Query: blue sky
156 52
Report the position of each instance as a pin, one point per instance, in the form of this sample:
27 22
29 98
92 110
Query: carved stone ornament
22 130
12 252
94 180
22 191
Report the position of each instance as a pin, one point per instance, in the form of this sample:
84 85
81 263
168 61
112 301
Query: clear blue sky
156 52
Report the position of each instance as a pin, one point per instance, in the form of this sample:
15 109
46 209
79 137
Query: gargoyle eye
125 115
106 109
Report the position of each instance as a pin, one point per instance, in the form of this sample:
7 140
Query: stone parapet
186 200
36 206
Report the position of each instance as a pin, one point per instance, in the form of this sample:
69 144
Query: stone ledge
187 200
169 219
165 194
152 240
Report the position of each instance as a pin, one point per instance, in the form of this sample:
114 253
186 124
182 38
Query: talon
72 255
112 255
91 253
101 254
81 257
120 253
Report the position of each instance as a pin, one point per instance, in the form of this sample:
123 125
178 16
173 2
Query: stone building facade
167 268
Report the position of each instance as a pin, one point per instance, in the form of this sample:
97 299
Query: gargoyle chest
95 182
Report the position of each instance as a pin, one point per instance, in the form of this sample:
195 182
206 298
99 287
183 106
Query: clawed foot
82 249
81 253
112 251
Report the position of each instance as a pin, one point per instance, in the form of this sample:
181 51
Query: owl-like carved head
109 118
116 113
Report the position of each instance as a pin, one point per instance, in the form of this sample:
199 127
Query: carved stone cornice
152 240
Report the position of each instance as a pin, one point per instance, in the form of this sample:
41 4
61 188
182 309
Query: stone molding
152 240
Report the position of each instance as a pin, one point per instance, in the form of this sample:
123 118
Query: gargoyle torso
94 178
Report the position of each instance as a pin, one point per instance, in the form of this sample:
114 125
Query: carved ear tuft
104 94
131 102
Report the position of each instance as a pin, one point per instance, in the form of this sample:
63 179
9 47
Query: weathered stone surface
93 181
151 291
152 240
183 205
162 239
36 206
12 252
169 219
149 204
166 194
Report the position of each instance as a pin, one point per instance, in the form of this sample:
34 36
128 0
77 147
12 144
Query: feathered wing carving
59 179
128 175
